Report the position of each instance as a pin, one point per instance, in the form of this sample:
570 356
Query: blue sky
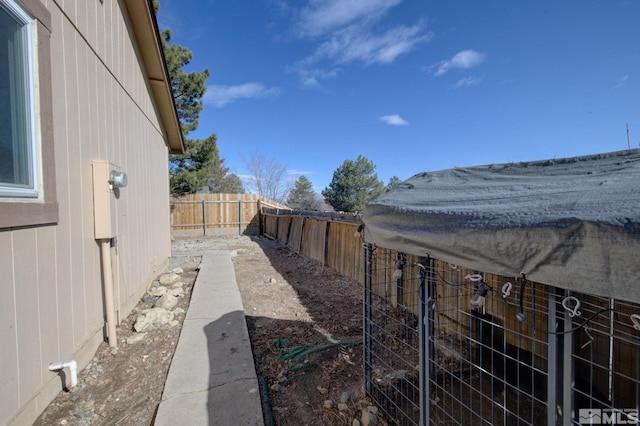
412 85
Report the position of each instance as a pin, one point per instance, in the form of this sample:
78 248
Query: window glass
17 147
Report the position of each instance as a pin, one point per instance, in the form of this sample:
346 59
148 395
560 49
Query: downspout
107 280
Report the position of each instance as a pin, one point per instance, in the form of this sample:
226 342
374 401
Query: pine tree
190 172
302 196
354 184
220 180
201 165
393 182
188 87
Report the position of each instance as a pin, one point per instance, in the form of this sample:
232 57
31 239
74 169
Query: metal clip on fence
506 289
635 319
586 330
474 277
573 311
431 303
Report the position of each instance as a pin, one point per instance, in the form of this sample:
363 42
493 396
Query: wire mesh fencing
446 345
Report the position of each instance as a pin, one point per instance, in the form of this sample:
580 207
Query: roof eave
148 36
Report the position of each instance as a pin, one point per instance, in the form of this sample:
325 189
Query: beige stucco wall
51 307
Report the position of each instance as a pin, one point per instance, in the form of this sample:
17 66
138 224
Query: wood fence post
240 216
204 217
260 225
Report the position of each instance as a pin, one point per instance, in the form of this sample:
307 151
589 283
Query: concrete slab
212 378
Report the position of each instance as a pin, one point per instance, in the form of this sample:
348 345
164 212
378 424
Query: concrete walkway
212 378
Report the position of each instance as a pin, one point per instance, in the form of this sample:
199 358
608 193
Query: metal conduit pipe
107 282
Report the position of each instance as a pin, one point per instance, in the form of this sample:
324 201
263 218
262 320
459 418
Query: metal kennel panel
602 384
392 336
446 345
464 363
488 349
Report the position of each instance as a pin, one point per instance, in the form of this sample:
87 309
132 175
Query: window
18 166
27 155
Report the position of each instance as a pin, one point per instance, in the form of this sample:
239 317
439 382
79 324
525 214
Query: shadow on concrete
231 382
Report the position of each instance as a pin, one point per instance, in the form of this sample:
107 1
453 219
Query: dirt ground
305 324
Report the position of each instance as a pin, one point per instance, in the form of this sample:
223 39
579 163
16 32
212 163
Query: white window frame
31 190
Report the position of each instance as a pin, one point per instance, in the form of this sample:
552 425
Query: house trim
18 212
148 37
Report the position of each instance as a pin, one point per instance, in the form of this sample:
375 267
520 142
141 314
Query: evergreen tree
354 184
190 172
302 196
393 182
220 180
231 184
201 165
188 87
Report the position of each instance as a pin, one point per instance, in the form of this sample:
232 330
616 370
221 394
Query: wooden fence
331 239
218 214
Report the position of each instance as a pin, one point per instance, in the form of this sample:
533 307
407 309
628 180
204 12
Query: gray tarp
573 223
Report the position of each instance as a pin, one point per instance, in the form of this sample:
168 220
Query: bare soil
305 324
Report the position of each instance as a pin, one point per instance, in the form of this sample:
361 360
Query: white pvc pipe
107 279
71 365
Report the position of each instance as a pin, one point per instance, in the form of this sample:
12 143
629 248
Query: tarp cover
573 223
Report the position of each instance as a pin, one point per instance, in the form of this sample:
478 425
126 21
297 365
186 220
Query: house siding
103 109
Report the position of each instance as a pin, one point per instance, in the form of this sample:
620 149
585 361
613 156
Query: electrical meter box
104 200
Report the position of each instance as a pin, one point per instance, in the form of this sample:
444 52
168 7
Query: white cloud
462 60
394 120
222 95
297 172
321 17
467 82
621 81
355 44
309 77
345 31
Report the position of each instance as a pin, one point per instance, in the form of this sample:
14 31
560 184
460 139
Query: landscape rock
177 270
177 284
328 404
147 298
368 418
152 318
157 291
323 391
166 301
166 279
138 337
398 375
177 292
345 397
343 407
